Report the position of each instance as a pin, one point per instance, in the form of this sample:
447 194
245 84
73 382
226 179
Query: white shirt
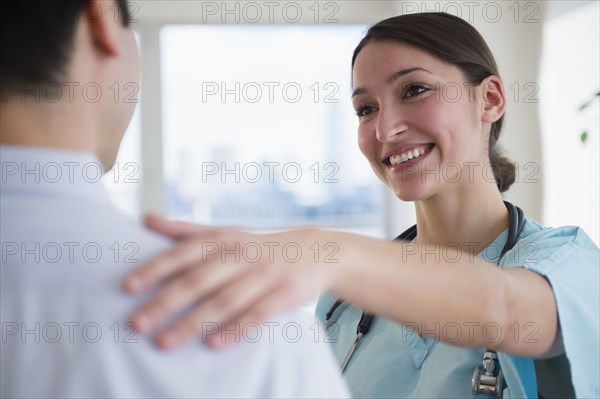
65 250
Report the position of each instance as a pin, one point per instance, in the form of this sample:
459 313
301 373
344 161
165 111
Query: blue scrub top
394 362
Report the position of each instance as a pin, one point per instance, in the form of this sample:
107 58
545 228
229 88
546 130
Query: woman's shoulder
570 260
542 248
534 232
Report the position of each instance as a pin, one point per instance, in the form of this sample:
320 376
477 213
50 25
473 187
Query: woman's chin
409 193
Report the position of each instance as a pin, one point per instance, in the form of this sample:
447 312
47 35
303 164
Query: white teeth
407 155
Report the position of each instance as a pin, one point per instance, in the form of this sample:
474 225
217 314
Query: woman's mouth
408 157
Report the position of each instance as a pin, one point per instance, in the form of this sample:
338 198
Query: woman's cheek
427 114
367 143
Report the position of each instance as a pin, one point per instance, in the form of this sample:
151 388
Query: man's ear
103 27
494 102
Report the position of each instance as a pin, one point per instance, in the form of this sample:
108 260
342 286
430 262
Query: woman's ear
494 102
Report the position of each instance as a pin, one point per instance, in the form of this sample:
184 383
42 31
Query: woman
441 301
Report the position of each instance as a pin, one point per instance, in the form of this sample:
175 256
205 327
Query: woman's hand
218 277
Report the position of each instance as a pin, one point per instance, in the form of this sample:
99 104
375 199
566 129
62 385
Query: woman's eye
414 90
365 110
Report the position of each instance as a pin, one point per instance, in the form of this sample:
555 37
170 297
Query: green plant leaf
584 135
589 102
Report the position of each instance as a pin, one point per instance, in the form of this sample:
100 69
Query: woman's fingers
166 265
278 300
175 260
181 292
176 230
225 304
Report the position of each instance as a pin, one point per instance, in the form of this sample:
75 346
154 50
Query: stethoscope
488 377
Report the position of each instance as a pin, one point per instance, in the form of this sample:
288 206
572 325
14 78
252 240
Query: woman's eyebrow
402 72
391 78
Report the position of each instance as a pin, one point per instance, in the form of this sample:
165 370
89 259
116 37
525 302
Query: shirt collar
48 172
492 252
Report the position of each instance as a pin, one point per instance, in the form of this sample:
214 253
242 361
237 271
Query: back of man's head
36 37
59 62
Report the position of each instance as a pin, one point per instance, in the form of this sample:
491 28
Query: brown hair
455 41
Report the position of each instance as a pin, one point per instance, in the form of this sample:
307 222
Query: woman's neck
471 219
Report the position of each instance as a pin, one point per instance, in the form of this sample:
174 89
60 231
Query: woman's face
419 121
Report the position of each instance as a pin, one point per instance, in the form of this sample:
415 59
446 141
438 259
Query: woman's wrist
343 270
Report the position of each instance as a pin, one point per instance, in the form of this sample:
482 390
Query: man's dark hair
36 37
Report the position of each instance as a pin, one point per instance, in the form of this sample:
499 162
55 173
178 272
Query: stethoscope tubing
517 221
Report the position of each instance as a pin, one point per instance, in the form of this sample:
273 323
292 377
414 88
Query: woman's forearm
450 295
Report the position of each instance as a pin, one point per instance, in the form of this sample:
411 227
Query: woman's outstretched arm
229 276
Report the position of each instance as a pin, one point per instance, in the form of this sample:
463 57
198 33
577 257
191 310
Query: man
65 249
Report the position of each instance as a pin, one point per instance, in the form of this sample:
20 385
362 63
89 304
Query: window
259 131
571 167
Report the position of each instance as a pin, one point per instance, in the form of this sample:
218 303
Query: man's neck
48 125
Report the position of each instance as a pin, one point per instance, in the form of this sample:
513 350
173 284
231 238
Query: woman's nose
390 123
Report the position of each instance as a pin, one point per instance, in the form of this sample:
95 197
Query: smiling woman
474 289
401 111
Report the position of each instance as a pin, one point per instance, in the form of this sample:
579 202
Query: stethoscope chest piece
488 377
